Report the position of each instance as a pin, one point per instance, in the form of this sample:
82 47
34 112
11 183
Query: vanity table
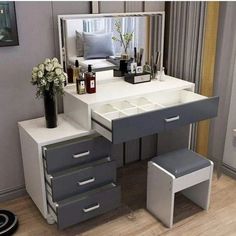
70 173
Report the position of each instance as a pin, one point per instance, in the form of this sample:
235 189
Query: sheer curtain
185 26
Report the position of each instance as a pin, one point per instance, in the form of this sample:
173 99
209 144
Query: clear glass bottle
81 84
76 71
161 74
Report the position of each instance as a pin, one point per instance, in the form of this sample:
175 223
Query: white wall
225 59
37 37
17 95
229 157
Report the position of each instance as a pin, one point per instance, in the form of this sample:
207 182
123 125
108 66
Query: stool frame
162 186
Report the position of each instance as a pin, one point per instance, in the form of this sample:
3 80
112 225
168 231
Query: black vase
50 107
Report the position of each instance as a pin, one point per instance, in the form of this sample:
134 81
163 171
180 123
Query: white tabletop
65 130
118 89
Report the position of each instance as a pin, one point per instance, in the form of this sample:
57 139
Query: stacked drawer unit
80 179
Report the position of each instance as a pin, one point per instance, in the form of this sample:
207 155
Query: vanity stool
181 170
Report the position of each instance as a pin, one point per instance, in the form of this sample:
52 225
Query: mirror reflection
101 40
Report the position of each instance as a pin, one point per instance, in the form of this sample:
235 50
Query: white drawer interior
173 98
108 112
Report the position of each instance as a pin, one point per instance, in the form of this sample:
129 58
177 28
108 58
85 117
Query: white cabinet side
33 170
77 110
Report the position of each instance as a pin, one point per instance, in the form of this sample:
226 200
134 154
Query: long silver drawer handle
91 208
172 119
86 181
81 154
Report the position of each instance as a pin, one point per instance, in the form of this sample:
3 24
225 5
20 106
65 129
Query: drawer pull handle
86 181
91 208
167 120
81 154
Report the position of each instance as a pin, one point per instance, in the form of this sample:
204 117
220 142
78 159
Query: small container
133 67
90 80
123 66
137 78
76 71
70 74
81 85
161 74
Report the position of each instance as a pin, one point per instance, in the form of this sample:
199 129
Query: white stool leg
200 193
160 195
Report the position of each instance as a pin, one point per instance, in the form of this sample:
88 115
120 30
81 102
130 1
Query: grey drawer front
82 180
128 128
68 154
76 211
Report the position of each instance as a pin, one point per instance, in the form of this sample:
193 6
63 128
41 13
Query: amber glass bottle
90 80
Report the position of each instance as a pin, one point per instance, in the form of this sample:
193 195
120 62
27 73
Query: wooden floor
133 219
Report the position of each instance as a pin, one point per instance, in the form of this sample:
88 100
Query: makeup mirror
96 39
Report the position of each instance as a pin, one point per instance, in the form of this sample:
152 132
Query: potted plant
124 38
49 79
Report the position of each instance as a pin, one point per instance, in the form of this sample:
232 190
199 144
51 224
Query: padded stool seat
181 162
182 170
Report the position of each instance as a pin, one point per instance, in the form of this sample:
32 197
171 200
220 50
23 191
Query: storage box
137 78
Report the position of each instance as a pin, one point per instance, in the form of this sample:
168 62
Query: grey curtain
184 32
184 40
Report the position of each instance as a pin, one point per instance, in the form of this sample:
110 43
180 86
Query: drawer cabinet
85 206
72 181
80 179
134 118
78 151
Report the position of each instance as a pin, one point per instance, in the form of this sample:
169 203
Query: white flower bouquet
49 77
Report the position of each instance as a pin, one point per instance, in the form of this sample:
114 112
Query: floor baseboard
12 193
228 171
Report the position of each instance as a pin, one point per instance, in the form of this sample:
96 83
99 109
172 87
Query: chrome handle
91 208
167 120
81 154
86 181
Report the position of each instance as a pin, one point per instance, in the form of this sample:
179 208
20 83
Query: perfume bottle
161 74
90 80
76 71
70 74
81 84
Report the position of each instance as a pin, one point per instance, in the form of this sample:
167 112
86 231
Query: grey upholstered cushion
181 162
97 45
79 44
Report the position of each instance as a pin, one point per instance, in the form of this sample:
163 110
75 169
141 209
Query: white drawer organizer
121 112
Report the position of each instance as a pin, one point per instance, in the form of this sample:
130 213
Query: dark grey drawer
78 151
85 206
150 122
78 180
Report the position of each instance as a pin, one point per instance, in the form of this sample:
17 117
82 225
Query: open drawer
130 119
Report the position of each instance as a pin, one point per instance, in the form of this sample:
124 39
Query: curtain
184 44
184 41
